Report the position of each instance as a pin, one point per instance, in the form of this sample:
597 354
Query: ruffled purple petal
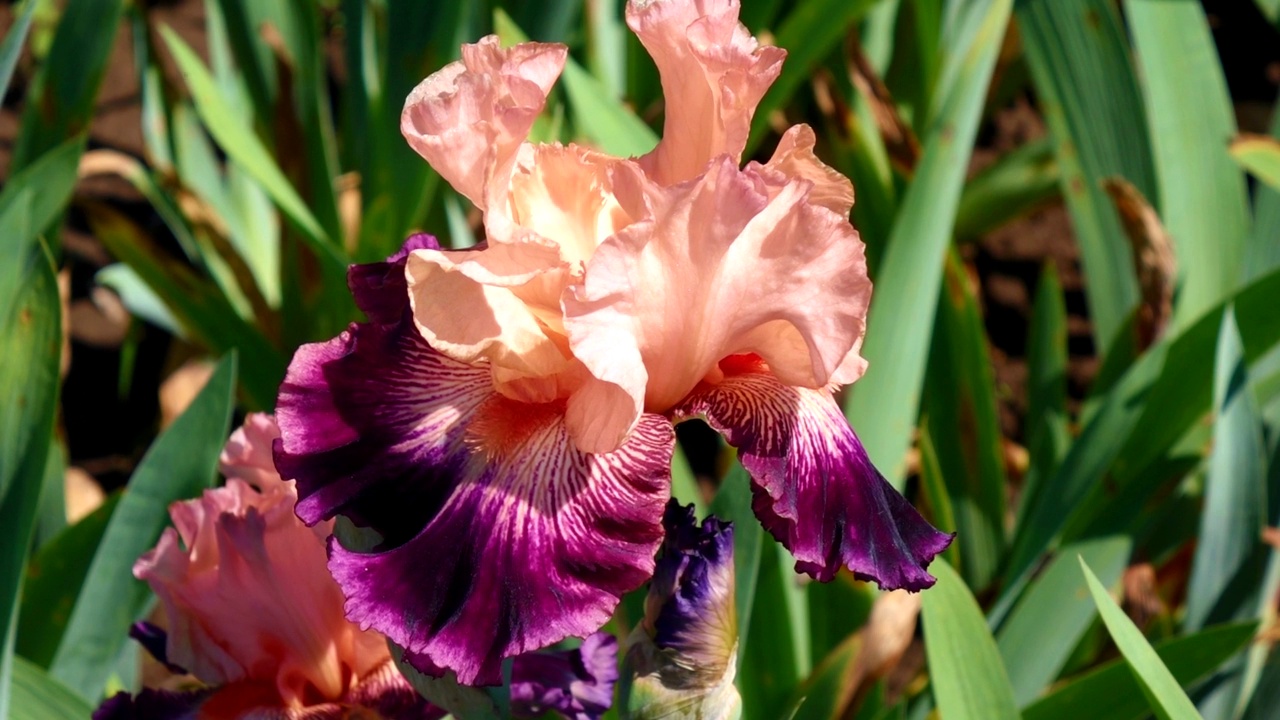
372 422
380 289
578 684
498 536
690 607
152 705
537 543
815 488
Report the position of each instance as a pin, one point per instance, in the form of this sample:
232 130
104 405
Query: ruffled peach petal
247 455
713 76
794 158
475 305
564 195
726 264
469 118
249 597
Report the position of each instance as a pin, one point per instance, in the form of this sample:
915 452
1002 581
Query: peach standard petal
794 158
469 119
498 304
713 75
726 264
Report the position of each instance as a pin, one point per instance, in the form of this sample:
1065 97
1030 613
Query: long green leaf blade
61 102
1084 80
1202 196
965 427
239 142
11 48
29 383
1188 658
1037 639
1235 505
1163 692
883 407
969 679
180 464
37 696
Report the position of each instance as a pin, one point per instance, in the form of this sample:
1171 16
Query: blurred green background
1072 214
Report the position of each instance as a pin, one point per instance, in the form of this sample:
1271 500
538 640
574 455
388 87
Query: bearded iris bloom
504 419
255 616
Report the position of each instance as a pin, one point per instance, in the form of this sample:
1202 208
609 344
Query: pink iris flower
504 419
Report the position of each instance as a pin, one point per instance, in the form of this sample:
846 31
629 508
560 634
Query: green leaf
933 491
684 486
1047 623
1165 696
779 638
54 579
965 427
31 200
1149 408
1260 155
1229 564
969 680
29 382
810 31
1085 82
1263 253
138 297
1235 503
733 503
203 312
1017 183
884 405
179 465
1202 197
61 101
37 696
1046 385
836 610
11 48
238 140
1187 658
826 692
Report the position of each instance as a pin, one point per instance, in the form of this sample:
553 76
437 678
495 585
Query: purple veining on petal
372 427
815 488
578 684
537 543
690 607
152 705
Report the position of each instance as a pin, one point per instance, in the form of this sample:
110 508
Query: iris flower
682 659
504 419
255 616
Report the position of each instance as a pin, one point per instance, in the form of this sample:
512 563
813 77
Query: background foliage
271 158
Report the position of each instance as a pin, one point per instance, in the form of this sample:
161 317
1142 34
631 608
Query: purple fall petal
537 543
499 537
815 488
